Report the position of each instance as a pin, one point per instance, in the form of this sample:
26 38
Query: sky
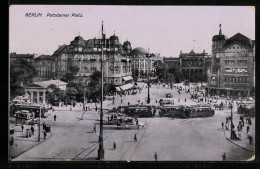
163 29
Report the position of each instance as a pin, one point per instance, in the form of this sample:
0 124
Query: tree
160 70
54 94
21 72
70 74
176 73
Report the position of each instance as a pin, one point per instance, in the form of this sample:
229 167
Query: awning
126 86
127 78
118 89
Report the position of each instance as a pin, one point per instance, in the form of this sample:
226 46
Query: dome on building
114 37
139 50
219 37
78 38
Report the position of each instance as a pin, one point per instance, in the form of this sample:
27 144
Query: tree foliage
54 94
21 72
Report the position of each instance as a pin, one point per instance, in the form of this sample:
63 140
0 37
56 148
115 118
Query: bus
138 110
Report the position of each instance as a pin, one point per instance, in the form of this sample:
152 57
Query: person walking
247 129
114 145
185 99
155 156
44 126
22 127
55 117
94 129
44 134
135 138
222 125
250 140
32 129
224 157
121 101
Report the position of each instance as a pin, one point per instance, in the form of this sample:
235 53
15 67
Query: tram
138 110
193 111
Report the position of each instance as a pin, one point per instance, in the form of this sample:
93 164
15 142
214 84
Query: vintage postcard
131 83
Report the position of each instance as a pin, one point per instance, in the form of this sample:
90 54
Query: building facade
190 63
43 65
232 71
143 62
86 56
193 63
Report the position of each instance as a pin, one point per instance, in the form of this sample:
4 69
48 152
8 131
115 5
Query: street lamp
148 83
39 132
189 76
101 152
231 106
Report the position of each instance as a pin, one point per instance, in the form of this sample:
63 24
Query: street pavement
198 139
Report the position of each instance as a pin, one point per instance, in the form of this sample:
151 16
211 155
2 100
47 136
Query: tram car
171 110
193 111
31 108
138 110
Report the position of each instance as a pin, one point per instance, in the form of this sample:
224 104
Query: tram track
137 143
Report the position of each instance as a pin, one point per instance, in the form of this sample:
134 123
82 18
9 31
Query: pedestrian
155 156
96 108
179 100
114 145
222 125
250 140
247 129
22 127
44 134
55 117
11 140
121 101
135 138
185 99
44 126
224 157
94 129
52 109
32 129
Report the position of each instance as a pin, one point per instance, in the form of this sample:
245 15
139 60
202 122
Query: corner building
86 55
232 71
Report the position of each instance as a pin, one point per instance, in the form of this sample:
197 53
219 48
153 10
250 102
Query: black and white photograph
131 83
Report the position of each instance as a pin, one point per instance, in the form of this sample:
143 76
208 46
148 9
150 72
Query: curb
30 148
237 144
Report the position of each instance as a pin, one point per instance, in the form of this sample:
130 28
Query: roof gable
239 38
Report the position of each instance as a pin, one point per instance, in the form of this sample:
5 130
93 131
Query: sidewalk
23 144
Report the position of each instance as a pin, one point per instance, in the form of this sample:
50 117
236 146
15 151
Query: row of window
236 79
233 70
232 62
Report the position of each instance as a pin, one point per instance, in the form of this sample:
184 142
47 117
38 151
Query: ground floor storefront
227 92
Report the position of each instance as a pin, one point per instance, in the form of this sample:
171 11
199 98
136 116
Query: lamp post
189 76
101 152
231 126
39 132
148 84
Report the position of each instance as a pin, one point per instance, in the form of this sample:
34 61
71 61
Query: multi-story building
86 56
232 71
193 63
43 65
143 62
18 57
190 63
172 62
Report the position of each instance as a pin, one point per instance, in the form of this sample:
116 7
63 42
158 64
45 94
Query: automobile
247 108
168 95
164 101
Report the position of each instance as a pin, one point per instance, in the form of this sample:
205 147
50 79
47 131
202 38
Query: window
229 62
